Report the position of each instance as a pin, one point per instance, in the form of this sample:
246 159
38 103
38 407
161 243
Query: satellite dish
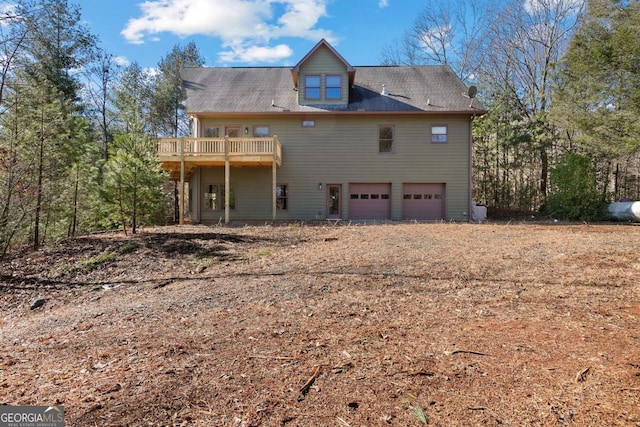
471 93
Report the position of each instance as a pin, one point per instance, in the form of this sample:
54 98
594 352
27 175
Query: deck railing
218 147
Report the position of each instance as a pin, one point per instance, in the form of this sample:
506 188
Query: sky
248 32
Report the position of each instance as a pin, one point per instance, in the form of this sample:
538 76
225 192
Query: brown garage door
369 201
423 201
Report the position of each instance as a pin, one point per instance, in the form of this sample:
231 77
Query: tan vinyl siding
252 188
343 149
323 63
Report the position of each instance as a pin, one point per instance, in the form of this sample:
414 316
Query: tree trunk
39 189
74 218
544 175
134 207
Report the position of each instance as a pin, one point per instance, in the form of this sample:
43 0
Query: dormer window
312 87
334 87
323 77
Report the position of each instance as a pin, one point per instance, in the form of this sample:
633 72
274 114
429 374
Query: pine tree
167 108
54 45
133 179
598 90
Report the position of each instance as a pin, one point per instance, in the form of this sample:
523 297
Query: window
333 87
261 131
312 87
385 139
232 131
214 197
439 134
211 132
308 123
281 197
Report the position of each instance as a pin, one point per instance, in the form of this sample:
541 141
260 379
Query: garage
370 201
423 202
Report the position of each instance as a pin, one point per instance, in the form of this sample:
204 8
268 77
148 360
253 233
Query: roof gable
322 43
295 71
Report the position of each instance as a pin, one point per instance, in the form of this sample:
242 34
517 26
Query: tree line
76 128
560 81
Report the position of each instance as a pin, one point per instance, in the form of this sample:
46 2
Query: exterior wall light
319 186
246 130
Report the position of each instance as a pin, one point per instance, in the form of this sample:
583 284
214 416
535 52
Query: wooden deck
216 152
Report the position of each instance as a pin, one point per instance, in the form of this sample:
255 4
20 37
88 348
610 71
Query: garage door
369 201
423 201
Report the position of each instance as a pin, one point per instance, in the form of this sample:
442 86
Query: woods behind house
560 80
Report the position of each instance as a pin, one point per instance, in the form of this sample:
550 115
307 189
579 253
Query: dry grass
405 325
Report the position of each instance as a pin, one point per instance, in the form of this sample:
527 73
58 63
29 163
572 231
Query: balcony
197 152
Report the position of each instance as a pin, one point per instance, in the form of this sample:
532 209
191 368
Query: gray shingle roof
433 89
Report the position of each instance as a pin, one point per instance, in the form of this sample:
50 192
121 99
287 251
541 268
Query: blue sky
248 32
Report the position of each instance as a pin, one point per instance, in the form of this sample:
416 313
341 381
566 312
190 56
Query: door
424 202
334 201
370 201
232 131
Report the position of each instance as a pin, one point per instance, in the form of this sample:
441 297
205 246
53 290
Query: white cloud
8 13
121 60
253 54
533 6
244 26
151 71
435 39
383 3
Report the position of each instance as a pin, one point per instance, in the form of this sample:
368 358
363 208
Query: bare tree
509 49
446 32
101 75
526 41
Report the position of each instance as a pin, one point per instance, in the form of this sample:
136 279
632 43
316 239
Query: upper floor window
211 132
385 139
261 131
439 134
333 87
312 87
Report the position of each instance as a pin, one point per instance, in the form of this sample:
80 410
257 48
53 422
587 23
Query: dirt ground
347 325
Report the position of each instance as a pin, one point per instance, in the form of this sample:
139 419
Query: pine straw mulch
348 325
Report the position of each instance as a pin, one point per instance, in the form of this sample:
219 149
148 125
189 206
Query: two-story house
325 140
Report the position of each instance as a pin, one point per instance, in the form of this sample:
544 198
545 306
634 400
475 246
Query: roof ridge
238 67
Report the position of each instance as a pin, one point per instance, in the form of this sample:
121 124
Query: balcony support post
274 181
227 174
181 196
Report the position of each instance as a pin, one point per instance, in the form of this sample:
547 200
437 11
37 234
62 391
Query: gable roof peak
351 71
326 44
